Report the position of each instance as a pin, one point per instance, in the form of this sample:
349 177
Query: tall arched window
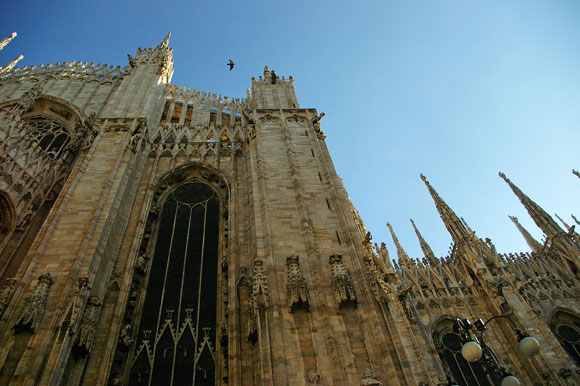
448 344
566 327
176 342
48 134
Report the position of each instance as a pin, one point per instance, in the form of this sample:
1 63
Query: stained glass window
176 342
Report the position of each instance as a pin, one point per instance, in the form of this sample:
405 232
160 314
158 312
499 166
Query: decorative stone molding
296 289
34 305
341 282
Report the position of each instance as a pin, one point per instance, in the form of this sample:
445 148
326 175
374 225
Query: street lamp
474 347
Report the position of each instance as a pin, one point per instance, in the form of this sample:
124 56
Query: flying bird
231 64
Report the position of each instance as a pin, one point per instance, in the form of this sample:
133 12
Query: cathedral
153 234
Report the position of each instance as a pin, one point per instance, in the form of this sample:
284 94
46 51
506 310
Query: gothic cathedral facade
152 234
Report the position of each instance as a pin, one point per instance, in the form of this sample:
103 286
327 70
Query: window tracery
48 134
176 340
566 327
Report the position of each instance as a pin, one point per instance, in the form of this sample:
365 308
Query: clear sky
457 90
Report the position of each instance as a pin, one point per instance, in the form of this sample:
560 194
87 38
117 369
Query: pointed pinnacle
534 245
453 224
165 42
404 259
542 219
11 65
427 251
4 42
563 222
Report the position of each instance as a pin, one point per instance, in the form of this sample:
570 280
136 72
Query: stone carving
78 304
313 377
6 294
316 123
368 378
88 326
269 118
34 305
126 340
341 282
295 118
259 299
141 265
296 289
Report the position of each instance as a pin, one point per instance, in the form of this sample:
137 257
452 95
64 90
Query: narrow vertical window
338 238
327 203
312 151
176 341
319 177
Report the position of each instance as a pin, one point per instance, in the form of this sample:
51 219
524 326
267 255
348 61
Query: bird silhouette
231 64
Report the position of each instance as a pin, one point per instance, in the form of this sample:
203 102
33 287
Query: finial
503 176
7 40
424 179
576 173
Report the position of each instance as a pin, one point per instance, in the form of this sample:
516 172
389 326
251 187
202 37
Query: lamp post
474 348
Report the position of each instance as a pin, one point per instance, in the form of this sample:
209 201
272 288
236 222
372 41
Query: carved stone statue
35 305
296 289
88 325
341 282
368 378
126 339
6 294
313 377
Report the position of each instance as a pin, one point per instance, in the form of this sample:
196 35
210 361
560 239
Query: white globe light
510 380
529 346
471 351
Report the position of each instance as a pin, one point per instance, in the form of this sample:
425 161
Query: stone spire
404 259
542 219
11 65
532 243
563 222
454 225
4 42
427 251
165 42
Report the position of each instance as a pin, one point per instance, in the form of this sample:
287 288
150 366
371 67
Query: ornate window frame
127 346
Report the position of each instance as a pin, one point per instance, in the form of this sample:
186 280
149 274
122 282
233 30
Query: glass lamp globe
529 346
510 380
471 351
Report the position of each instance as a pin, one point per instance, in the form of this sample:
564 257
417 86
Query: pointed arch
448 345
565 324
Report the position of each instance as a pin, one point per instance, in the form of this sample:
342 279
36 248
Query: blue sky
457 90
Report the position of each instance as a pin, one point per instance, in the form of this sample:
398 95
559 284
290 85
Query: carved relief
34 305
295 118
296 290
269 118
341 282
